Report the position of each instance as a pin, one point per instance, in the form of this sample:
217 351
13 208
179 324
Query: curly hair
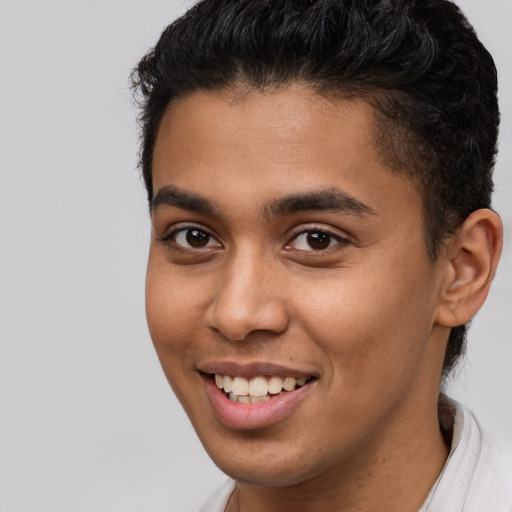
419 63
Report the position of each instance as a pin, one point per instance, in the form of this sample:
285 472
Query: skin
368 316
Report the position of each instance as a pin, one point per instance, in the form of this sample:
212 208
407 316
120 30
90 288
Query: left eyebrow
332 200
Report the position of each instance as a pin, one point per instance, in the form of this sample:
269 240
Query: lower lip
253 416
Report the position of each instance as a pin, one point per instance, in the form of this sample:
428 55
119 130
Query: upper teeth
257 386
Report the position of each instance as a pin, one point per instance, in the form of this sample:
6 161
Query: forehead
277 118
277 143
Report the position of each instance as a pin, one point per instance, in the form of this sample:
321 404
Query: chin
253 458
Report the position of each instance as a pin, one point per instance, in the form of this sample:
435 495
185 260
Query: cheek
370 328
172 326
171 313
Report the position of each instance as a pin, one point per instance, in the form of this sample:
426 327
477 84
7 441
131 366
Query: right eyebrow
175 197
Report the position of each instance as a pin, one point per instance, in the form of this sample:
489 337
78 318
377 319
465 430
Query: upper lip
253 369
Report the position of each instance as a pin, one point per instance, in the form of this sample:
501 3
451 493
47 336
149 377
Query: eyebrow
174 197
332 200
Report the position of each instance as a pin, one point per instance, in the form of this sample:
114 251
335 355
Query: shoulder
491 488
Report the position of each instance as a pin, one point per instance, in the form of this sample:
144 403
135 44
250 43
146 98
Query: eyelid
342 238
169 233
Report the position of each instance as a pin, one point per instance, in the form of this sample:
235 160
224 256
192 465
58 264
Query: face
290 297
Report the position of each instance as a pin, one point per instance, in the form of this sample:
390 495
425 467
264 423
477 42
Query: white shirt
474 478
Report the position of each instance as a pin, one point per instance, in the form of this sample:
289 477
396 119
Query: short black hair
419 63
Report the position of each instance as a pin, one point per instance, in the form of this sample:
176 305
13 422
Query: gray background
87 422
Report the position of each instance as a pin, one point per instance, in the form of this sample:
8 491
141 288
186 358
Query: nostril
239 326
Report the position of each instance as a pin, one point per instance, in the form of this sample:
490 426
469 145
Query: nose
249 298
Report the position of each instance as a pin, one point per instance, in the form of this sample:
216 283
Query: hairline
395 159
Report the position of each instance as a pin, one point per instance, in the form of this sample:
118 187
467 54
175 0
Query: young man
319 176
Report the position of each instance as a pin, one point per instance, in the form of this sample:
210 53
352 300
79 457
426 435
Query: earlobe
472 255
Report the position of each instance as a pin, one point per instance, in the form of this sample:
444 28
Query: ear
471 258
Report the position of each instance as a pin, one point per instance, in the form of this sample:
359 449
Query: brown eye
194 238
318 240
197 238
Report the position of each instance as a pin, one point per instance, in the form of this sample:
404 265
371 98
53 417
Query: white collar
451 489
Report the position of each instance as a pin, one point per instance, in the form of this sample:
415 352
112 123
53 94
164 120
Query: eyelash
328 236
170 238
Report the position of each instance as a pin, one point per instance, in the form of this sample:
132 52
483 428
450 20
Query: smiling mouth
258 389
